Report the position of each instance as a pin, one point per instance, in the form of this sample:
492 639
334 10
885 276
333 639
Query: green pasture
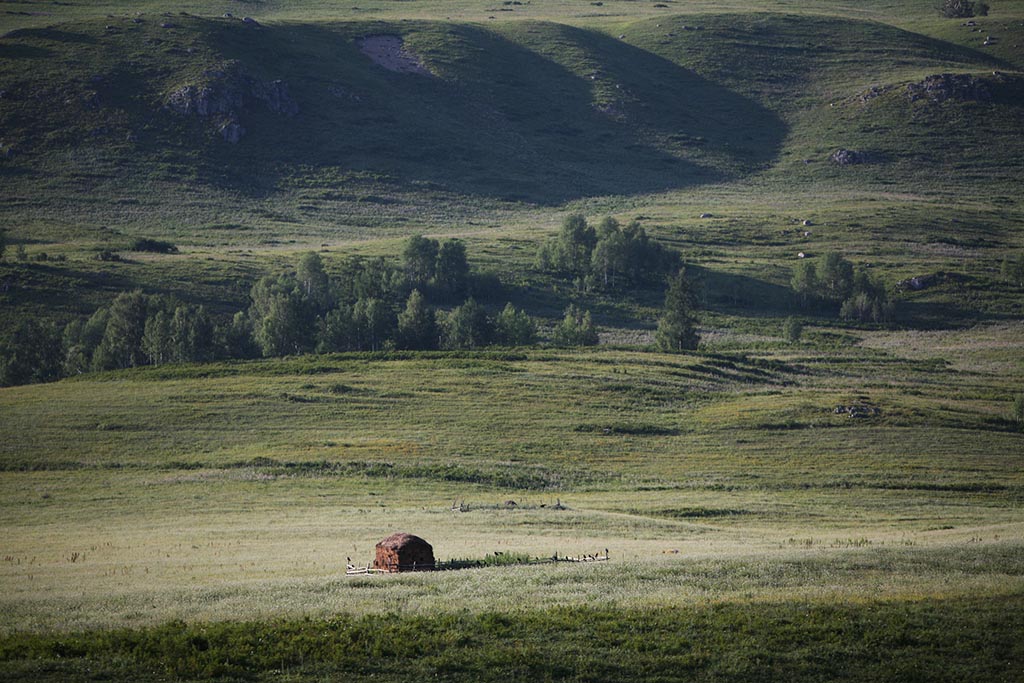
228 498
190 522
216 491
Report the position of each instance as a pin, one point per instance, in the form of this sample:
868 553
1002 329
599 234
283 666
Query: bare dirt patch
389 52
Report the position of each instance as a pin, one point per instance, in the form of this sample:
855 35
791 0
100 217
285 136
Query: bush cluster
609 257
154 246
834 282
962 9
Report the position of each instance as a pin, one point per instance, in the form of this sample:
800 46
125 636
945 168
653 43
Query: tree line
425 302
366 305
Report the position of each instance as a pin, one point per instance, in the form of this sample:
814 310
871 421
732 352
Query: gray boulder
275 96
848 157
956 87
207 100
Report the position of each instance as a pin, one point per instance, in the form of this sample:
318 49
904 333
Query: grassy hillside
736 114
515 112
497 118
720 484
843 506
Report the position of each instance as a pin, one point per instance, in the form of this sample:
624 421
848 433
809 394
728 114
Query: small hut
403 553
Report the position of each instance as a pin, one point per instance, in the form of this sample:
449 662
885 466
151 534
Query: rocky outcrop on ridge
224 95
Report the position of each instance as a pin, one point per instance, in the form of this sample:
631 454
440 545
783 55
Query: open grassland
194 521
24 13
937 640
724 486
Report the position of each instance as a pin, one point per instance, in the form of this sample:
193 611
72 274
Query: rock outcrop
919 282
224 95
956 87
848 157
873 92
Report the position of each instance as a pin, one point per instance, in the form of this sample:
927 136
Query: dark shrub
154 246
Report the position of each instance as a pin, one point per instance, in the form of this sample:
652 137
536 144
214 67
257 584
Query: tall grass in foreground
974 639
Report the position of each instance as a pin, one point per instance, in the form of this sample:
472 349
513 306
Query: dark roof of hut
401 540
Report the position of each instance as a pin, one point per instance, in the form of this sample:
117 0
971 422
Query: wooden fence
353 570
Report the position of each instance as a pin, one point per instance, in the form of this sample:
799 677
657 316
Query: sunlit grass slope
737 505
510 113
252 478
194 522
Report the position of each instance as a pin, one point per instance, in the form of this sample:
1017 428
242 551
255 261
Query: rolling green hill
540 113
98 123
842 502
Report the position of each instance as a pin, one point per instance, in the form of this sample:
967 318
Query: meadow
724 487
846 505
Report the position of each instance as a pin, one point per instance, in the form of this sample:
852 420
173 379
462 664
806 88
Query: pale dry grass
145 548
709 480
994 348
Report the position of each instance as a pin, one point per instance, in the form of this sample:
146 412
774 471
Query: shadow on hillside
502 121
721 291
919 315
16 51
51 34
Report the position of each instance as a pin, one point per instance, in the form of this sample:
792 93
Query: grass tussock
934 639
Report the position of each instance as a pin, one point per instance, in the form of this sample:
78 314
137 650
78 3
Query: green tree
30 351
576 240
362 278
835 277
793 329
192 335
576 329
156 338
805 283
3 242
513 327
314 283
282 328
337 331
238 337
282 320
467 327
547 259
677 326
417 327
869 302
374 322
451 272
121 346
75 359
610 259
419 261
80 341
